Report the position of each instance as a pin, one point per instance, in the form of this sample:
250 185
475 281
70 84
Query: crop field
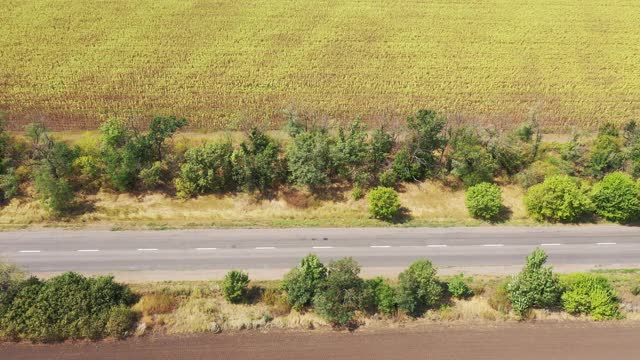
228 63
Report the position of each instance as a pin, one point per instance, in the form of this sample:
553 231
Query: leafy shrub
68 306
617 198
340 294
379 296
55 194
499 299
424 138
406 167
207 169
537 172
558 198
121 320
534 286
384 203
484 201
605 156
151 176
592 295
350 150
309 158
256 164
235 286
459 288
302 282
418 288
9 185
635 290
469 159
388 178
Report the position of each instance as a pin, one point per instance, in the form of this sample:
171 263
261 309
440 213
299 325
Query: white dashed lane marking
322 247
204 249
88 250
147 249
380 246
265 248
29 251
550 244
493 245
436 246
606 243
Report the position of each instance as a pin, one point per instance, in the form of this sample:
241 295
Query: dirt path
564 341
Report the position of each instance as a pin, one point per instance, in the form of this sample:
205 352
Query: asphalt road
279 249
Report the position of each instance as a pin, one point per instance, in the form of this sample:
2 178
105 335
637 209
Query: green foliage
617 198
301 283
309 158
605 156
151 176
538 171
53 162
592 295
469 159
9 185
379 296
418 288
340 294
424 138
636 290
484 201
121 321
389 178
382 143
234 286
558 198
126 153
384 203
516 150
256 164
535 286
405 167
459 288
350 151
68 306
207 169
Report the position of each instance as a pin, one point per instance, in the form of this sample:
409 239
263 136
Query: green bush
207 169
69 306
617 198
459 288
301 283
469 159
9 185
350 150
309 158
340 295
121 320
535 286
384 203
418 288
379 296
235 286
635 291
484 201
256 164
591 295
558 198
605 156
388 178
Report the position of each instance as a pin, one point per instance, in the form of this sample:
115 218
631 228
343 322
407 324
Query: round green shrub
121 320
558 198
459 288
340 295
591 295
235 286
617 198
418 288
384 203
484 201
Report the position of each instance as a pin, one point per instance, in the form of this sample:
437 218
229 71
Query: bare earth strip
514 341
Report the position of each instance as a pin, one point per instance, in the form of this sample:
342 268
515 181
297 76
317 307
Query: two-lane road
272 251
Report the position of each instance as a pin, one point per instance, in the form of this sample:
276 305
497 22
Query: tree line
314 157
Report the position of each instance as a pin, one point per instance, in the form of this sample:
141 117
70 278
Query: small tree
484 201
384 203
418 288
558 198
605 155
340 294
469 159
235 286
379 296
207 169
534 286
301 283
309 158
617 198
256 164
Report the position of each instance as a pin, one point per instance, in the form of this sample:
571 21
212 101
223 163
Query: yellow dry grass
429 203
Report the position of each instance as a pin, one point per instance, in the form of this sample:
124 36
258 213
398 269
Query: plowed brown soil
564 341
